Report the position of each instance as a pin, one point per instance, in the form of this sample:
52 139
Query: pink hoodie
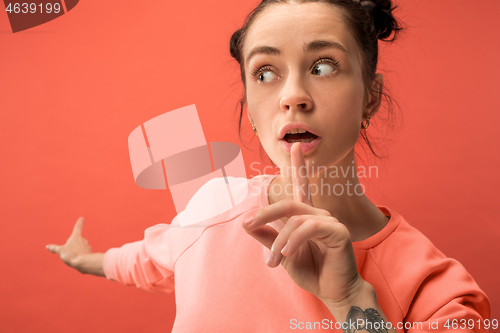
222 282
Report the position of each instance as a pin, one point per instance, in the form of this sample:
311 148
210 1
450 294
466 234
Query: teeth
296 130
307 140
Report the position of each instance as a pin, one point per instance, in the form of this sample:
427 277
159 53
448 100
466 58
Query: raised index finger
300 178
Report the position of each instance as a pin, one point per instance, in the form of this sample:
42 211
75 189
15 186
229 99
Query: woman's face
307 70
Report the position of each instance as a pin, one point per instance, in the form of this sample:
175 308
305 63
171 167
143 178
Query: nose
295 96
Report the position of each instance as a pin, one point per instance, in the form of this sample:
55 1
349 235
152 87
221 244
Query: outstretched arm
77 253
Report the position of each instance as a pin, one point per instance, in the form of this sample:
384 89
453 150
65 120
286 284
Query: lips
291 126
300 137
298 132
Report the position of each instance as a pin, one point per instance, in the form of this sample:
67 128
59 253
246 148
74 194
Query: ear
374 96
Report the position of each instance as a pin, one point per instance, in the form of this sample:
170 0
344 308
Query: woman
340 262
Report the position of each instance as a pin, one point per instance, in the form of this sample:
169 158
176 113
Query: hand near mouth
313 247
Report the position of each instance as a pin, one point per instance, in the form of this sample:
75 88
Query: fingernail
285 249
247 222
47 247
271 258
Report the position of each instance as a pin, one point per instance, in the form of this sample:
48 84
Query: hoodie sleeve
146 264
452 299
149 264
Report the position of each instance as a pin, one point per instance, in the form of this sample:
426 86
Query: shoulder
408 243
403 242
222 199
420 276
217 202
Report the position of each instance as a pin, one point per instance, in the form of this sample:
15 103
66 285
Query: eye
325 67
264 74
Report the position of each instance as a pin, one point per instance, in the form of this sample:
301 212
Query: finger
280 243
77 229
281 240
331 233
283 208
300 180
53 248
266 236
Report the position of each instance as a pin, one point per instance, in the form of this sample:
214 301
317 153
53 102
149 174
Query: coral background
72 90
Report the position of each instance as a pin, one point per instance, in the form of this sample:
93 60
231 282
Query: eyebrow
308 47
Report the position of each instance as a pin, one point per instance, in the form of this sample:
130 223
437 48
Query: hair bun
233 45
384 23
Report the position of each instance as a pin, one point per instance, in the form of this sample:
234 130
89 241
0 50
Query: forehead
289 25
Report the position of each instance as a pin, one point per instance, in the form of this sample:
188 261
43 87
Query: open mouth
300 137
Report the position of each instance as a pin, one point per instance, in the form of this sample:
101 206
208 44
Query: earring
365 126
253 126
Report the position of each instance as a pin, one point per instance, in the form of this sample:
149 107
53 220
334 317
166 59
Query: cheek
253 98
257 96
260 105
261 115
344 102
343 106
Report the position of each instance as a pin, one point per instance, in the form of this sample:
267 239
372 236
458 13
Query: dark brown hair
368 21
